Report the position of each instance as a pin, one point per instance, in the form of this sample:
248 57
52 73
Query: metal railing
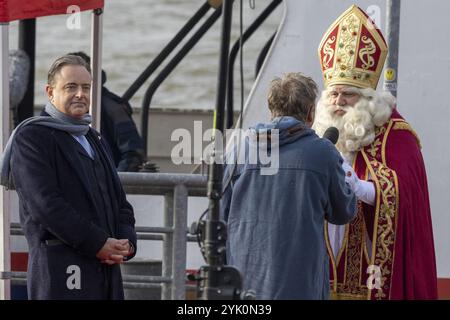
233 54
176 188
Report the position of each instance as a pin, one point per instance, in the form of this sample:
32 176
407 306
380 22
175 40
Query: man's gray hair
68 59
292 95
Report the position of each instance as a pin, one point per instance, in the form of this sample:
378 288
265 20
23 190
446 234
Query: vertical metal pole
167 261
5 254
27 42
96 67
215 176
211 275
392 35
179 241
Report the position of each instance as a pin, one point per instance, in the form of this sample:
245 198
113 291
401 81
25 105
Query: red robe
388 249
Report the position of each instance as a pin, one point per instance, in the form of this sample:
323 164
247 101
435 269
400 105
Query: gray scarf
57 120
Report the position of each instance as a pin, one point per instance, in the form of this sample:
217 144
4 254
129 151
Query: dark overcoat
60 218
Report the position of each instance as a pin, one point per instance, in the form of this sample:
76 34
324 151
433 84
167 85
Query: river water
134 32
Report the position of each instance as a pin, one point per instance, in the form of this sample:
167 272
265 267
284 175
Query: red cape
388 249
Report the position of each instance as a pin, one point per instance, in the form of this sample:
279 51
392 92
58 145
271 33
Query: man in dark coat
77 221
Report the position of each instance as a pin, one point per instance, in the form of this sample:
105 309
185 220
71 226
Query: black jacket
59 217
120 132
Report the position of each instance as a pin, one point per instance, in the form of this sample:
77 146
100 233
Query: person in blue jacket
73 210
275 218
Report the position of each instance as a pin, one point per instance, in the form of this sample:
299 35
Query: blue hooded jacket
276 221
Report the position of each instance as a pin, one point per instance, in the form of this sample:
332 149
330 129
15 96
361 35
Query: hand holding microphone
364 190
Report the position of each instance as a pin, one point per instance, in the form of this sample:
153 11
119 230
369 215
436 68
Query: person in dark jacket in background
19 71
73 210
118 128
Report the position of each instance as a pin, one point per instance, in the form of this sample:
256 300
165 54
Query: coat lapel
65 142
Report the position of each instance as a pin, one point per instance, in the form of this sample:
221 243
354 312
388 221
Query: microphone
331 134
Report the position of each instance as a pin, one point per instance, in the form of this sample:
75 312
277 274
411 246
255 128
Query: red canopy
11 10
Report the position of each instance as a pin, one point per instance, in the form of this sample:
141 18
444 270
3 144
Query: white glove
364 190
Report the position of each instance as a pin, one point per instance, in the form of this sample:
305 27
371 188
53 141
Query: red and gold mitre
353 51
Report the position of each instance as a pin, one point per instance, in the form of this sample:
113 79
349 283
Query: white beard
357 126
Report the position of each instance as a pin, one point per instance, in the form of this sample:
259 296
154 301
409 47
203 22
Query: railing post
179 242
5 254
96 66
167 247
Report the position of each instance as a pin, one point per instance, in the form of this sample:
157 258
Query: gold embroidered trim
375 147
333 284
365 232
385 227
353 284
344 244
346 296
